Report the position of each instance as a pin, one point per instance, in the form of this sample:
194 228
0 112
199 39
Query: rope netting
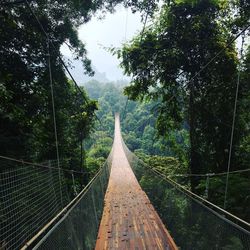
78 227
32 195
193 222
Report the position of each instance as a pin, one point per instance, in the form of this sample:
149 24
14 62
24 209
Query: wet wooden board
129 220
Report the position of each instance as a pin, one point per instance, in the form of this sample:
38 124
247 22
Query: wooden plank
129 220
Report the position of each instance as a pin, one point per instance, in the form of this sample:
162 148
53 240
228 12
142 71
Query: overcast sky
111 31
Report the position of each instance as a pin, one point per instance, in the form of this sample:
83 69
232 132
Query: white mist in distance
111 31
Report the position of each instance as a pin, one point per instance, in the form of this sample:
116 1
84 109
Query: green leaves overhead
176 62
25 114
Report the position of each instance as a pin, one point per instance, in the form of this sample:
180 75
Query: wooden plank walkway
129 220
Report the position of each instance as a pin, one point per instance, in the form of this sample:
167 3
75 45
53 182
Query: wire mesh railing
211 187
78 227
31 195
193 222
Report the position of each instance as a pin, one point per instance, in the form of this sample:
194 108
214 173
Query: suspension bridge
129 220
126 205
112 211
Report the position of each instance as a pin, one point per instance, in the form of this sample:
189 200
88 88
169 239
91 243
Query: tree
25 114
165 62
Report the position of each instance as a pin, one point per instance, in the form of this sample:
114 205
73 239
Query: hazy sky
112 30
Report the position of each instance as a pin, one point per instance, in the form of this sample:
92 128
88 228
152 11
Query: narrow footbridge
129 220
127 205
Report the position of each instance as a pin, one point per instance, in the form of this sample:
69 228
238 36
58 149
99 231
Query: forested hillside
138 128
187 61
44 115
184 115
169 153
190 75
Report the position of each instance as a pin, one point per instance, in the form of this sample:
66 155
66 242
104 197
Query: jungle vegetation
187 62
183 123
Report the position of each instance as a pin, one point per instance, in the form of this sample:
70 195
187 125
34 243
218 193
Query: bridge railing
76 226
33 195
30 196
193 222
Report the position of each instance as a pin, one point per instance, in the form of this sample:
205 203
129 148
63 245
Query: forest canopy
184 123
188 61
31 35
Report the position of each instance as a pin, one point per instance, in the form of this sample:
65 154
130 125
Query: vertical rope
54 117
142 32
126 25
94 206
233 125
125 109
144 24
73 182
207 186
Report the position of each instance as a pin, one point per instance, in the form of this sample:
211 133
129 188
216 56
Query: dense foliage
138 128
166 63
28 41
183 125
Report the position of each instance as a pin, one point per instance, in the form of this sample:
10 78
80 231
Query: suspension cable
233 39
47 37
144 25
125 109
218 53
125 38
142 33
54 118
211 174
233 122
41 165
126 25
65 67
53 102
60 58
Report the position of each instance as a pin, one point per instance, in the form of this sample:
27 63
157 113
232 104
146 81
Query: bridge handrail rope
210 174
63 213
60 58
205 203
34 188
233 39
198 198
41 165
47 232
